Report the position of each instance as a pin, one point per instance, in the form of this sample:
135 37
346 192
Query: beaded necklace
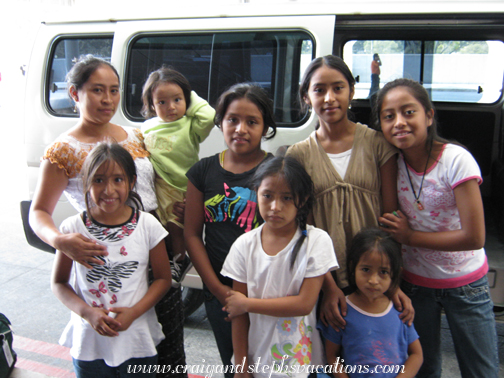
417 198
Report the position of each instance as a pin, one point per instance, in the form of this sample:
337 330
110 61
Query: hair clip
304 232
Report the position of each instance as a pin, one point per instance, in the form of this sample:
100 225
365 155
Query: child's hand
330 313
222 294
236 304
125 316
179 211
102 322
397 225
403 304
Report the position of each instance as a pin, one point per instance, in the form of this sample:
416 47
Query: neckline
285 250
436 161
371 314
327 159
133 212
95 143
220 167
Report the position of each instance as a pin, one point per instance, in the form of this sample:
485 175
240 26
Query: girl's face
372 275
403 119
109 191
99 97
169 102
329 94
276 203
243 127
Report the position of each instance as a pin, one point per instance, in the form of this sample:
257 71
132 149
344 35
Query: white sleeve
155 231
461 167
235 265
321 256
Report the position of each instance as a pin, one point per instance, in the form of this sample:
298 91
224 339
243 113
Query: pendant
419 205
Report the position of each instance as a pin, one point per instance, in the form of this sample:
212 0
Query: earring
350 106
75 108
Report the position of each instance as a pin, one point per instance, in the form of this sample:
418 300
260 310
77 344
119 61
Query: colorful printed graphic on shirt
238 205
289 353
109 278
111 234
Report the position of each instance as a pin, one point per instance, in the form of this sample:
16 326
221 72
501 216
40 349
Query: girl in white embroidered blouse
94 86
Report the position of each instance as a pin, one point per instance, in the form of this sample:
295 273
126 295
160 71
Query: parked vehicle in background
455 49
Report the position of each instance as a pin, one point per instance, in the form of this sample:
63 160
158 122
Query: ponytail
300 241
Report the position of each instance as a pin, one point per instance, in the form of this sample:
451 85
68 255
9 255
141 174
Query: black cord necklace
417 198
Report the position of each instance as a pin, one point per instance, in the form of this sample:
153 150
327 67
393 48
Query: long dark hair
106 153
370 239
254 94
301 187
162 76
421 95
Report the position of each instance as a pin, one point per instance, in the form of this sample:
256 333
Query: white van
456 49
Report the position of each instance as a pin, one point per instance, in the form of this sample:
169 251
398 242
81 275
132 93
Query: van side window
64 53
452 71
212 62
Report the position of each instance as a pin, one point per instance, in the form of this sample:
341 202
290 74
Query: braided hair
300 184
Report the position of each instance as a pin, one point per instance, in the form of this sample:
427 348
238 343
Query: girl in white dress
277 271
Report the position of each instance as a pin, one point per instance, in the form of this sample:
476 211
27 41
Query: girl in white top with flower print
442 229
277 271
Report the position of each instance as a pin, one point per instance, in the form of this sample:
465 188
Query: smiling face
403 119
276 204
243 127
98 97
109 191
372 275
329 94
169 102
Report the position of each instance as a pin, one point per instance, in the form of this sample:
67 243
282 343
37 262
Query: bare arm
332 353
332 300
388 174
414 361
240 328
162 282
193 235
97 317
470 236
293 305
51 184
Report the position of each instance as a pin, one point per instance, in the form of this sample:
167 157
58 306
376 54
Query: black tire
192 298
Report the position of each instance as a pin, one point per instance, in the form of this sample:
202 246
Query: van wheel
192 298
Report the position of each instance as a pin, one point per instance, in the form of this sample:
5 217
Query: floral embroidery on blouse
69 154
111 234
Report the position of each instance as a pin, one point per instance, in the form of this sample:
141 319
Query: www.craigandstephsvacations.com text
263 370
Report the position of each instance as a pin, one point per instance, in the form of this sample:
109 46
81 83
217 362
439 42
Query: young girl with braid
277 271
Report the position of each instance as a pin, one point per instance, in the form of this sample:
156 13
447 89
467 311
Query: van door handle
480 89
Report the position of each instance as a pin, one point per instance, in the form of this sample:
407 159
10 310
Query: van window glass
452 71
212 62
65 52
